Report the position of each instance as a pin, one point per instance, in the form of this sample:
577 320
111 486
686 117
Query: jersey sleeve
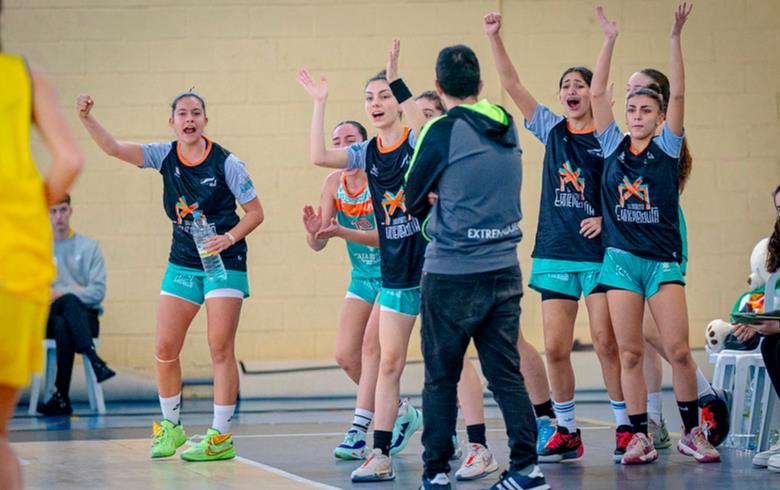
155 153
670 143
610 139
238 180
356 155
542 122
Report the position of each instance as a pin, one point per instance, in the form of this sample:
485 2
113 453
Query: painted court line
285 474
331 434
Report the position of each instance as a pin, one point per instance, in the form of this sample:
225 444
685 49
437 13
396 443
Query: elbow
72 160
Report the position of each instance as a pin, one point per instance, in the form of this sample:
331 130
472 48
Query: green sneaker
166 438
661 439
213 447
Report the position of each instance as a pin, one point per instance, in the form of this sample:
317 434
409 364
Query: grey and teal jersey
356 212
211 186
401 245
571 192
640 195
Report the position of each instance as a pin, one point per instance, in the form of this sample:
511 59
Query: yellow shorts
22 329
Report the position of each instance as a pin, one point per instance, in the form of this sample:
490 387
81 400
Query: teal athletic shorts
191 285
624 270
365 289
566 277
404 301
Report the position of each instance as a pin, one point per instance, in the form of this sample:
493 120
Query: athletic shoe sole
573 455
687 451
372 478
490 469
645 459
349 454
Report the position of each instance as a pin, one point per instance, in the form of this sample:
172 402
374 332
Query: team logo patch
570 175
636 189
392 202
183 209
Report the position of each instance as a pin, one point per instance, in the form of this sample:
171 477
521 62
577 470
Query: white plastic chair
753 399
94 390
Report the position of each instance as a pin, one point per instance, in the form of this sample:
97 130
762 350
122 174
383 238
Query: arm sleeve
155 153
670 143
95 290
238 180
428 162
610 139
356 155
542 122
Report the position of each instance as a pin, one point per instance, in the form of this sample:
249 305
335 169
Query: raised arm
507 73
676 110
415 119
67 159
318 154
599 94
125 151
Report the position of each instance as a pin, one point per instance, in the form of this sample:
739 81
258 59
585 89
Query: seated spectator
770 347
76 296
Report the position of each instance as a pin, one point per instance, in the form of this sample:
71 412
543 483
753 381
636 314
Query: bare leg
471 394
532 369
604 343
558 317
625 309
394 332
10 470
349 340
223 315
174 316
370 362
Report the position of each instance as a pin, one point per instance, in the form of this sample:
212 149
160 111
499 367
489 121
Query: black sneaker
514 480
56 406
102 371
439 482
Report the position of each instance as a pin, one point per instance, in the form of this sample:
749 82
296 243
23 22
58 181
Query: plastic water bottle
212 262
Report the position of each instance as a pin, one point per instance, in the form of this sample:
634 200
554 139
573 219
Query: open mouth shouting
573 103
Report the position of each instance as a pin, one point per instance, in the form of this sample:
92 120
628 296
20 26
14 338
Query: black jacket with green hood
471 158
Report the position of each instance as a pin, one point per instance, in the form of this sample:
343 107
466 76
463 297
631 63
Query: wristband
231 238
400 90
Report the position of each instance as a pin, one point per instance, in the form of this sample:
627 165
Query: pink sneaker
695 444
640 450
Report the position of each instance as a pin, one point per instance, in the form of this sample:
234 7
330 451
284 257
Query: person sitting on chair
76 296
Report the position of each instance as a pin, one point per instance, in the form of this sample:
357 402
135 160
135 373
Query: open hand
312 221
590 227
608 27
317 91
329 231
680 16
392 61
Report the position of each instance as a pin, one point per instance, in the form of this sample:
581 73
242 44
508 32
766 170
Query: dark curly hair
773 252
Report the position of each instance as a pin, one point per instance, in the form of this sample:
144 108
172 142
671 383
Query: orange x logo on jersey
568 175
182 209
391 202
637 189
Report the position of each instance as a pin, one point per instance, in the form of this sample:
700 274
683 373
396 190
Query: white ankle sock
362 419
621 412
655 406
704 386
223 414
170 408
565 414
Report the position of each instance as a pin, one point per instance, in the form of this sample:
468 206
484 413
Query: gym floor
288 444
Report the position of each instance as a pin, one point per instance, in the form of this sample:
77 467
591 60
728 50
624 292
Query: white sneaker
762 459
377 467
774 463
479 463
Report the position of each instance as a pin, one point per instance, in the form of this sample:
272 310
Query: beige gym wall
133 56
